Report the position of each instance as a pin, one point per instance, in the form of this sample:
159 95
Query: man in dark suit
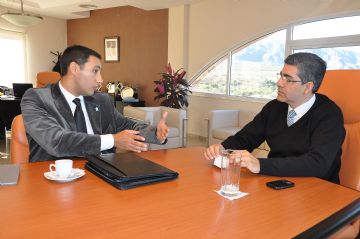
58 125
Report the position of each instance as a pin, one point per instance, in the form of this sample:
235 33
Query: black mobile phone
280 184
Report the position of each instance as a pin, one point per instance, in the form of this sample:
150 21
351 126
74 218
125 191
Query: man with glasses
303 129
71 119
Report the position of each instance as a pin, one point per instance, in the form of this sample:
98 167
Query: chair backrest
135 113
342 86
47 77
19 148
175 117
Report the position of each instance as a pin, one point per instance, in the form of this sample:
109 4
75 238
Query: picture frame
112 49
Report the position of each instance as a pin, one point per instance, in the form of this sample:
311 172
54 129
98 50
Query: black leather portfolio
128 170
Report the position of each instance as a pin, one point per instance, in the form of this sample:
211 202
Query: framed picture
112 49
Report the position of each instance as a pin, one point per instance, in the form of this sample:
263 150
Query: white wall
215 26
176 38
49 35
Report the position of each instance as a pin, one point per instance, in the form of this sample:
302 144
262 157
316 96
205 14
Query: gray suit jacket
51 128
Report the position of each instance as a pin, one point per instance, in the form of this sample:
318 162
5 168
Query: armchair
175 120
224 123
342 87
46 77
19 147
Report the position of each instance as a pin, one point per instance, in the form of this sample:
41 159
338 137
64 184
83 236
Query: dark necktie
79 117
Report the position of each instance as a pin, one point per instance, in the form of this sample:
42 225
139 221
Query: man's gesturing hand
162 131
130 140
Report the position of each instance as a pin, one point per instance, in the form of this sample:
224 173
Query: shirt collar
305 107
68 96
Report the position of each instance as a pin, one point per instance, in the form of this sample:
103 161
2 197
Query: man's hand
213 151
162 131
249 161
130 140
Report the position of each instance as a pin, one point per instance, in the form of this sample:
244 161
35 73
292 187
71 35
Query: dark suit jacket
51 128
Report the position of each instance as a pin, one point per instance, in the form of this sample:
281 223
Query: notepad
9 174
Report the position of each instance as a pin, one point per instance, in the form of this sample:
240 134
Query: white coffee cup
63 168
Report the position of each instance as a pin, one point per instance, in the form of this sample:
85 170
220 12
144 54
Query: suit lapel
93 110
63 106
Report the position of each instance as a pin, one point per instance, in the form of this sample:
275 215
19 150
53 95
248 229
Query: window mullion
288 41
228 74
326 41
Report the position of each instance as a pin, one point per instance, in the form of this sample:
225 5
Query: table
119 105
9 108
187 207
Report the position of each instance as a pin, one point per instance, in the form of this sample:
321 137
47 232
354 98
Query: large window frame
290 46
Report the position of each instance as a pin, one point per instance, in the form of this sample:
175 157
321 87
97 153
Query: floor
192 141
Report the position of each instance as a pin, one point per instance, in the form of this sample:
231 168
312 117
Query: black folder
128 170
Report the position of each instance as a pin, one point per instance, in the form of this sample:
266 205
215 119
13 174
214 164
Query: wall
143 44
215 26
49 35
178 35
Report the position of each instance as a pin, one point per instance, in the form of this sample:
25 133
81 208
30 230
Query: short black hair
78 54
310 67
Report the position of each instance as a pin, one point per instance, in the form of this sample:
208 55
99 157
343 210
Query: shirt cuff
107 142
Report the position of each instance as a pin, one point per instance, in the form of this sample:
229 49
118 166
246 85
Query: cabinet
119 104
9 108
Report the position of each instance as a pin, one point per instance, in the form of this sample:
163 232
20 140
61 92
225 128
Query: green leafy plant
173 89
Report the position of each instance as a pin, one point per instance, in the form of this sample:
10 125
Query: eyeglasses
289 79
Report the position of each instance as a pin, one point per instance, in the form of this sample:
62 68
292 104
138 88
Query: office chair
47 77
19 148
342 87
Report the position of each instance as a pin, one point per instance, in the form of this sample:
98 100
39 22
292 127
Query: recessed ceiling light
88 6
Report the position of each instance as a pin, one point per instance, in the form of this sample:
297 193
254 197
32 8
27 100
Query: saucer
77 173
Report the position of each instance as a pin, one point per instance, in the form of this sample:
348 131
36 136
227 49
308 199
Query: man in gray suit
49 114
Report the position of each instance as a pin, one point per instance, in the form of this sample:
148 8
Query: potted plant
57 62
172 88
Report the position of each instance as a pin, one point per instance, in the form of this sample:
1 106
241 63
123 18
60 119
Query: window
254 68
12 58
250 70
334 27
213 80
338 57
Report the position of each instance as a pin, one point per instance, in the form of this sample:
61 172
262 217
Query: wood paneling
143 44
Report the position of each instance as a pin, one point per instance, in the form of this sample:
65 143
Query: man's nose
99 79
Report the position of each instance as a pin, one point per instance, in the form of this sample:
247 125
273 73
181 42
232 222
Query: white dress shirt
302 109
107 140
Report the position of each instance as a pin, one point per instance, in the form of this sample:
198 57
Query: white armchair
224 123
175 120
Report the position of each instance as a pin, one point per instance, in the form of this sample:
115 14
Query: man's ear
309 87
73 67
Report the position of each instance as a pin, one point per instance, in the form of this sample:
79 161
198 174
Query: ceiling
70 9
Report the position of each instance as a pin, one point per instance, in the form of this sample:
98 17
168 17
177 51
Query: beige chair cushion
173 132
223 133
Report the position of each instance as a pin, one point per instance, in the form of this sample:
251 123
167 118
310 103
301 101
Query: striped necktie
291 117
